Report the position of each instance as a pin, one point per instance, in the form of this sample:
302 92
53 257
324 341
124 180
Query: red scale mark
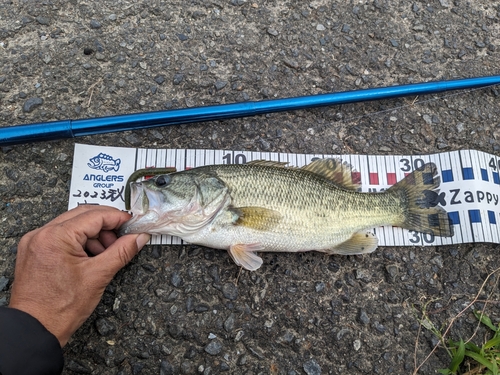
391 178
373 178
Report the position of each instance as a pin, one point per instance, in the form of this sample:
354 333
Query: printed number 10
238 159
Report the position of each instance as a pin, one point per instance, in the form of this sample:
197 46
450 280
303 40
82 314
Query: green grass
466 358
484 360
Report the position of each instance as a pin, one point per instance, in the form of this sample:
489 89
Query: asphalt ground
188 309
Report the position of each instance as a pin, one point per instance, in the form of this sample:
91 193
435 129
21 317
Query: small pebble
363 317
219 85
178 78
61 157
166 368
94 24
320 27
104 327
230 291
159 79
394 42
31 104
43 20
319 286
312 367
438 261
214 347
356 344
229 322
392 270
272 31
176 279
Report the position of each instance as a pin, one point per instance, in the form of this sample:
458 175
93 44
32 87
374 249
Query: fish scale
304 199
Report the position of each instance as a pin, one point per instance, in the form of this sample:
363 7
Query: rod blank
46 131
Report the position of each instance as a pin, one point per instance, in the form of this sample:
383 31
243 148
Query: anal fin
244 255
360 243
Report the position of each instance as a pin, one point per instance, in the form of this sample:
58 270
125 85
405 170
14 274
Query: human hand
55 280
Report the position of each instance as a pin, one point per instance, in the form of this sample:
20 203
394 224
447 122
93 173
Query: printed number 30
418 237
417 164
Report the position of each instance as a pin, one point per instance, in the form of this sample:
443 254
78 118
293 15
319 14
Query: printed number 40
494 164
418 237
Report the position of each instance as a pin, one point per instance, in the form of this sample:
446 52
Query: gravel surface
188 310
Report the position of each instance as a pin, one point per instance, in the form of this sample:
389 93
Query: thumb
121 252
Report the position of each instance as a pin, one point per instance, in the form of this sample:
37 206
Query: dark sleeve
26 347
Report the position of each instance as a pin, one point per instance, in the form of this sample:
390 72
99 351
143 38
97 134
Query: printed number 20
238 159
418 237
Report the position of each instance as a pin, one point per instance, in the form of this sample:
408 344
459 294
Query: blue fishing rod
47 131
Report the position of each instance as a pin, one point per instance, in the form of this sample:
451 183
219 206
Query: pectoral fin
257 218
244 255
360 243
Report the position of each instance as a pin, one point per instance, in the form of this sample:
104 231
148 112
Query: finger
90 223
98 245
107 237
119 254
68 215
94 246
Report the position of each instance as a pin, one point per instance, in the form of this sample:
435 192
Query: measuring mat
469 192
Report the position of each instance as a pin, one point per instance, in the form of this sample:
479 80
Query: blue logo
105 163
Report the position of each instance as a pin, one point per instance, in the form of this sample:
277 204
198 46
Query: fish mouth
145 204
139 203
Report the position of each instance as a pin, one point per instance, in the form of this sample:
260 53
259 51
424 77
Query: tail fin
419 191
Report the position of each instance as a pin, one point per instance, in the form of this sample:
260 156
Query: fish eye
162 180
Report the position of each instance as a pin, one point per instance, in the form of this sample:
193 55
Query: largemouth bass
266 206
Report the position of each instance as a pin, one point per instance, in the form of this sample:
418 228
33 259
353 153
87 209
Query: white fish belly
293 241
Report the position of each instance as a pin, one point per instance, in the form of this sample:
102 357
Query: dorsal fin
268 163
338 172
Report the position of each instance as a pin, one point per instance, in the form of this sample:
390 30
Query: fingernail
142 240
